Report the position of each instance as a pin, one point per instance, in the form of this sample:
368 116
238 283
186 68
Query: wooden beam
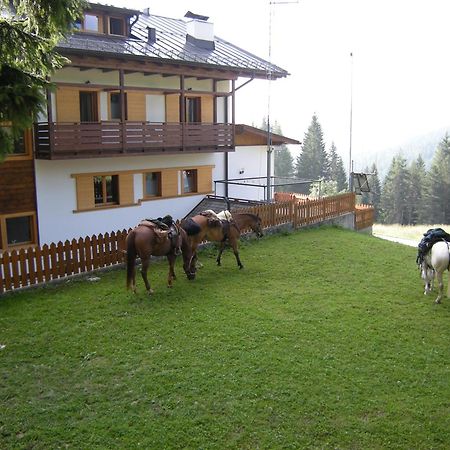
99 62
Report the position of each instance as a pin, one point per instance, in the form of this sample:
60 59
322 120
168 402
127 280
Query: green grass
324 340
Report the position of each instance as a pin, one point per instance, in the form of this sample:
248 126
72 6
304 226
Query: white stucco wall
56 191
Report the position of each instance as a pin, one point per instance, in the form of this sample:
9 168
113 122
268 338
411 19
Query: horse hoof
241 267
150 292
169 286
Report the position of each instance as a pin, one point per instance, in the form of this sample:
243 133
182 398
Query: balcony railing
56 140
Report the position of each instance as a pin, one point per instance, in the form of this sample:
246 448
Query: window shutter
85 192
204 179
207 109
126 189
172 108
169 183
67 105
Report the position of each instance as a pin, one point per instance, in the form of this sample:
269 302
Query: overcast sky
400 65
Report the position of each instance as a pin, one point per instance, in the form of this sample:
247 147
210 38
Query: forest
411 193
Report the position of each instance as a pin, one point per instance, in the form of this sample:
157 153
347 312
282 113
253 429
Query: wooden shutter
126 189
172 108
85 192
204 179
67 105
169 183
136 106
207 109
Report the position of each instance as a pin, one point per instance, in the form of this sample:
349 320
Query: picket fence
35 265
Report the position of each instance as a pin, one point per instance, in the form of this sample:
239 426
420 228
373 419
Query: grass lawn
324 340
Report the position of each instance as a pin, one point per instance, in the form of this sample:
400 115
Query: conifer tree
336 169
394 205
29 32
438 180
312 163
416 191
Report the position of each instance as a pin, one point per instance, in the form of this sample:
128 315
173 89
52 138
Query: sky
395 86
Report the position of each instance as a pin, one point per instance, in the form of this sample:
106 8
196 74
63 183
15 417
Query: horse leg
171 276
234 245
221 248
144 269
441 286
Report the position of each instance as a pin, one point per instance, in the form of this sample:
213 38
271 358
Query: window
91 22
193 113
189 181
88 107
115 106
17 229
19 146
152 184
22 146
106 190
116 26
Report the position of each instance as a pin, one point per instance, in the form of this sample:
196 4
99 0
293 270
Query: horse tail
131 257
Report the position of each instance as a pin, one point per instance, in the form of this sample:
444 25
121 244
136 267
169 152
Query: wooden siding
17 190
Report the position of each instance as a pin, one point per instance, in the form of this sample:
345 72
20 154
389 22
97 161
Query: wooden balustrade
57 140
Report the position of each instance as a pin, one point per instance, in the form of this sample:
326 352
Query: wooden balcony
56 140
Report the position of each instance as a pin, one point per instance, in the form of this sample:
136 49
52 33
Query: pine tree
336 170
312 163
438 181
394 206
29 32
417 190
375 190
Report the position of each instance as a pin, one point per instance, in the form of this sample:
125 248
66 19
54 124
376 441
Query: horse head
188 267
257 227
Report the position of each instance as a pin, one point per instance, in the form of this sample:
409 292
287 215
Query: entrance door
88 107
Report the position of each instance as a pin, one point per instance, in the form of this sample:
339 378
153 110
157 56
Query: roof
247 135
170 46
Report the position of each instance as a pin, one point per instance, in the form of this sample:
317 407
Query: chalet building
141 124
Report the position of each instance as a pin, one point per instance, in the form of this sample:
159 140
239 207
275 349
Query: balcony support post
122 109
182 113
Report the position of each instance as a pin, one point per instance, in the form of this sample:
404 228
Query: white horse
436 261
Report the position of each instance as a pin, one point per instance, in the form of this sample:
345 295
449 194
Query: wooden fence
34 265
364 216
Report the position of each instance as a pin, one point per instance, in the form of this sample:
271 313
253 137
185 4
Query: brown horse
146 240
209 226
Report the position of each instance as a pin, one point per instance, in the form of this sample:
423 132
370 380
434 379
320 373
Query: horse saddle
213 219
430 238
164 227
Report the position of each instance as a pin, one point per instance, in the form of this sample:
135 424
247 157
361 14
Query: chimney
199 31
151 35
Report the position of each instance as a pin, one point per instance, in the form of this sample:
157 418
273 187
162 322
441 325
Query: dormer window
91 22
117 26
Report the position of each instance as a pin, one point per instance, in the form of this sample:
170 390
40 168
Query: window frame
114 187
146 195
93 107
115 93
184 178
124 25
28 148
4 245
